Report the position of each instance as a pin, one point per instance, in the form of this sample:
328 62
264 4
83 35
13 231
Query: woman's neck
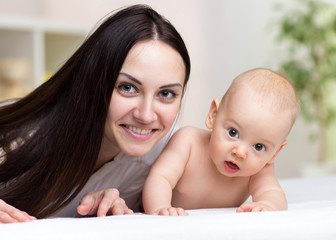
106 154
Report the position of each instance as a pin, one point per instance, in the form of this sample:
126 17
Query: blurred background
224 38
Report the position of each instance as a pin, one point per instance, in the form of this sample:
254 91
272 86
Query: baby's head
251 123
267 90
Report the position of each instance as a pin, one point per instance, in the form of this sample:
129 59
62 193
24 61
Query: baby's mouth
231 166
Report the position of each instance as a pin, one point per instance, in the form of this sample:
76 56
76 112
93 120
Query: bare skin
102 203
10 214
222 167
200 185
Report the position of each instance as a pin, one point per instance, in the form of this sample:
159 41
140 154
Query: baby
223 167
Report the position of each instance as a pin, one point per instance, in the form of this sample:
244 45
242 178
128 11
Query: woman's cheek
168 112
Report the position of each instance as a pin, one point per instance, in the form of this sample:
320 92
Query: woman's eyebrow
171 85
131 78
140 83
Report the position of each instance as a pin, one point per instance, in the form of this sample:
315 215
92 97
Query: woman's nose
145 111
239 152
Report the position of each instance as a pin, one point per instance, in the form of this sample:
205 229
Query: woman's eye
233 133
127 88
167 94
259 147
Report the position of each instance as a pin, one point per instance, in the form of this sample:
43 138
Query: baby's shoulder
190 130
191 133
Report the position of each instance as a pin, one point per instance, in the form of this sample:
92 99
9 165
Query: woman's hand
102 203
9 214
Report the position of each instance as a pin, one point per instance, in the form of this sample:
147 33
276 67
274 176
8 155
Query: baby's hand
255 207
171 211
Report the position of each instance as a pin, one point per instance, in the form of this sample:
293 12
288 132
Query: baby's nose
239 152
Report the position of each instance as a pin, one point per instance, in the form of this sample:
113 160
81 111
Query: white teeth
139 130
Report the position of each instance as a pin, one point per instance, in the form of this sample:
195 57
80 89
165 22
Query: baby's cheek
255 168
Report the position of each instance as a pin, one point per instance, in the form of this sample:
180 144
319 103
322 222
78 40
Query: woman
98 123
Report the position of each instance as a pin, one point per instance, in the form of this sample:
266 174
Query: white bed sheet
311 215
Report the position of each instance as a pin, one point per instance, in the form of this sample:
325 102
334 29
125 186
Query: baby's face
246 135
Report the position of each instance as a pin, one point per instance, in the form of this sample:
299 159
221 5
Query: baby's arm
164 175
267 194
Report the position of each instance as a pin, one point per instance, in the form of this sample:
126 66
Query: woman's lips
141 134
231 167
138 130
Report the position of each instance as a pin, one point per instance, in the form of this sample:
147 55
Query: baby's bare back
202 186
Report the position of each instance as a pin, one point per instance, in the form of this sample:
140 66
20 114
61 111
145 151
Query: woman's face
146 98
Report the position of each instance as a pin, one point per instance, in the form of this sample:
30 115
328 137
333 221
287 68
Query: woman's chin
137 151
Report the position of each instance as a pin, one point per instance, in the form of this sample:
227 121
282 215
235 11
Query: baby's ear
210 120
282 145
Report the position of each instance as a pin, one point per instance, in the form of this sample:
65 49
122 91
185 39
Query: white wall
224 37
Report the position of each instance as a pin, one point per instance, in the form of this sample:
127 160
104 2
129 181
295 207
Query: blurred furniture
32 49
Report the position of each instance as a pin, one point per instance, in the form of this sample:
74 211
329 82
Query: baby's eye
127 88
233 133
259 147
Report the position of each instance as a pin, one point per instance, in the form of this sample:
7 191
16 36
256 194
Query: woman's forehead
155 59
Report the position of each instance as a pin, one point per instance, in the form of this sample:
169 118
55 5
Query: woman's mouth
139 133
139 130
231 167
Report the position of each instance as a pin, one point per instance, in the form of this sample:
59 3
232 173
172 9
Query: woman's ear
210 120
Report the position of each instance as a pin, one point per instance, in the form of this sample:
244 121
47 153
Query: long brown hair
50 139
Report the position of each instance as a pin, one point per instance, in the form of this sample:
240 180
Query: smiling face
146 99
247 134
